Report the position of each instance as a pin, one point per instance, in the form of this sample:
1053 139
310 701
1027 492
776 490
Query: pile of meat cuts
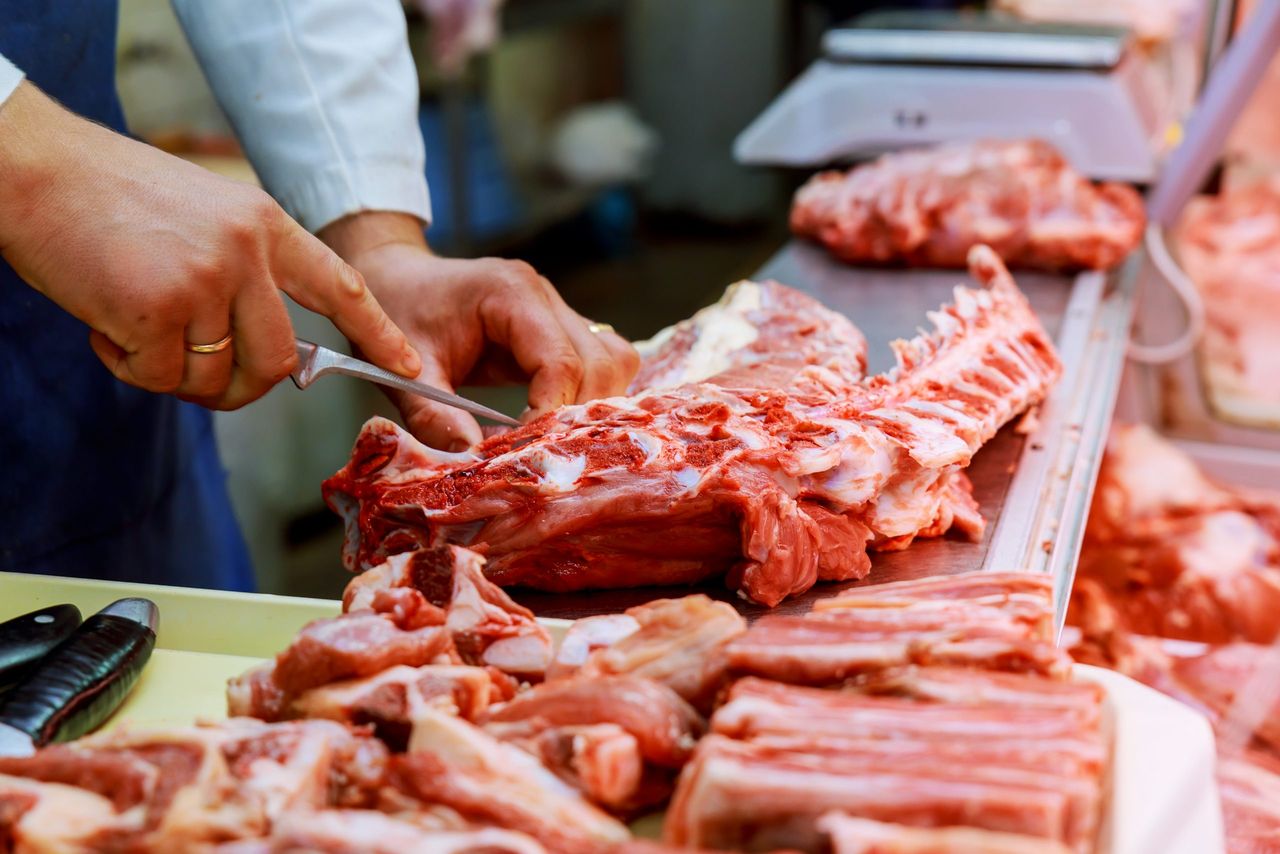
1179 587
928 208
943 704
751 446
1230 247
434 715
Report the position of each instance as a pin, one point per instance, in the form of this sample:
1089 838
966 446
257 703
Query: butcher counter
1034 480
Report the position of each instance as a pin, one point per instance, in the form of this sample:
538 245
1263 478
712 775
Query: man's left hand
481 321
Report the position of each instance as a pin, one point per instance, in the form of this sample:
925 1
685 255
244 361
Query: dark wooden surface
886 304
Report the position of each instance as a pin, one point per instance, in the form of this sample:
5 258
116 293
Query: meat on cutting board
664 725
456 765
679 643
773 474
178 788
930 207
430 607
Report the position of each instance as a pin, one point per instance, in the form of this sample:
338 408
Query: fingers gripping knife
315 361
75 686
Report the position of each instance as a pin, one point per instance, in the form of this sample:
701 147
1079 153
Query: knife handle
27 639
77 686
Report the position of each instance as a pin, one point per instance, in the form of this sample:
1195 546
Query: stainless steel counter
1034 488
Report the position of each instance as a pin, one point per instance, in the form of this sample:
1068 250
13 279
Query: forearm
36 136
357 234
323 95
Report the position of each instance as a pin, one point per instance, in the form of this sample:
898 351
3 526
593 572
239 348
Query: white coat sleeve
10 77
324 97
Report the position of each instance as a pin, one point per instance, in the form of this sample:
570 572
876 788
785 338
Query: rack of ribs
772 461
928 208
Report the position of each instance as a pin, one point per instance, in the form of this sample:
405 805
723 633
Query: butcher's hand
154 254
479 321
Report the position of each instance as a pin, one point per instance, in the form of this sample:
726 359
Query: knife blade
82 681
25 640
315 361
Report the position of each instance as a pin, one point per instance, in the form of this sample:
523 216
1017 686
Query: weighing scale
893 80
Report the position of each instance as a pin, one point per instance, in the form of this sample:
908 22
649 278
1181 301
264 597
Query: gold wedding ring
216 347
597 328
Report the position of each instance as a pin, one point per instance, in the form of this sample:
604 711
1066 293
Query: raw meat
758 336
926 729
454 764
992 620
1230 247
329 650
1174 554
1016 754
366 832
487 627
929 208
175 789
602 761
851 835
1250 789
679 643
664 725
759 707
390 701
587 635
725 802
772 487
430 606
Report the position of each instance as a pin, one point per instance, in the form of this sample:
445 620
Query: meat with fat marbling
773 487
930 207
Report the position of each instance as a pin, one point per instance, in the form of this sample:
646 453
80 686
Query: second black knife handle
76 687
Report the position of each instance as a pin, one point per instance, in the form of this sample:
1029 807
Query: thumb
435 424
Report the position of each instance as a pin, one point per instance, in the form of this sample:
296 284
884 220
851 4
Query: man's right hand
154 253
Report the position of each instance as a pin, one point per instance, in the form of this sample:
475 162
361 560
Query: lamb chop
179 788
679 643
775 464
429 607
929 208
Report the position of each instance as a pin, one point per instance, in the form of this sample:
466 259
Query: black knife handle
77 686
27 639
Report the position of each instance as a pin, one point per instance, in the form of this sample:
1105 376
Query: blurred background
592 138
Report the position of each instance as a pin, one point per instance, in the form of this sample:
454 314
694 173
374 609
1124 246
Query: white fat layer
906 506
718 331
750 439
1226 544
558 473
647 442
688 477
933 444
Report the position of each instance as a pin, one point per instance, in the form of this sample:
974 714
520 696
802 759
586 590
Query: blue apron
97 479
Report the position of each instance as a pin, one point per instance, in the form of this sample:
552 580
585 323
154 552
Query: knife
25 640
315 361
82 681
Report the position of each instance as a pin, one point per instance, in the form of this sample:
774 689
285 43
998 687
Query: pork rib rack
928 208
752 447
